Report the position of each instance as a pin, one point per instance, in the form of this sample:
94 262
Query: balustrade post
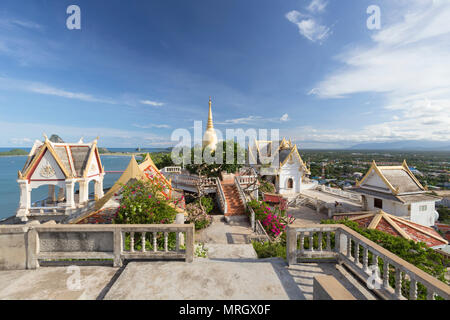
155 244
349 247
291 245
143 241
413 289
386 273
131 241
356 252
166 241
311 241
118 247
337 241
365 259
398 282
329 241
320 240
302 243
190 244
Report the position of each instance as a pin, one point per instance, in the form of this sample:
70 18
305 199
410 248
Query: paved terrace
212 279
231 271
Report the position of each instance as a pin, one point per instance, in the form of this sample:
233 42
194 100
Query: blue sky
137 70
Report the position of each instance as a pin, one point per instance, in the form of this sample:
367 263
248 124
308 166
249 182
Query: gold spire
210 119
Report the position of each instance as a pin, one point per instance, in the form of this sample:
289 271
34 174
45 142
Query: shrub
142 203
196 215
269 249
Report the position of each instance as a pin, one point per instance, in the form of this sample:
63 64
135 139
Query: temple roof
283 152
73 159
397 182
396 226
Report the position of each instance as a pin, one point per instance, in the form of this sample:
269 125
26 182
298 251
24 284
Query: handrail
222 198
347 250
105 242
241 192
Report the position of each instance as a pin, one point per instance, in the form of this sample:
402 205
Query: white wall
290 171
426 218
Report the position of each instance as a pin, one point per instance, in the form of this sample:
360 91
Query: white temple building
62 166
396 190
286 168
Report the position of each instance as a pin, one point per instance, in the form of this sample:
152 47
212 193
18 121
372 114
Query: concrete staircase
234 202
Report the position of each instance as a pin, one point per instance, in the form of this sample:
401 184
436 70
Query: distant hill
413 145
56 139
14 152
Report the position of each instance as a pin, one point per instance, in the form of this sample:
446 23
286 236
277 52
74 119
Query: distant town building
60 165
395 190
285 169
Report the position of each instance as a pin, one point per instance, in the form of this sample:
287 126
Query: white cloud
317 6
159 126
152 103
284 118
408 65
308 26
42 88
9 134
20 141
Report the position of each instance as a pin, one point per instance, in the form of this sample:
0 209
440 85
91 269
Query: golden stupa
210 137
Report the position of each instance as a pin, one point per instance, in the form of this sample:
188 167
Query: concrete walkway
220 232
222 279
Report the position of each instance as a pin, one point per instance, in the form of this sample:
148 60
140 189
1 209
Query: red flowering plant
273 220
143 203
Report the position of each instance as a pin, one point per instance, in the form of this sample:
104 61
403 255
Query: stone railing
252 218
222 200
171 169
98 242
355 251
241 192
342 193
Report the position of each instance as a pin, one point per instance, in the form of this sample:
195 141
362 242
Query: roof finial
210 119
45 136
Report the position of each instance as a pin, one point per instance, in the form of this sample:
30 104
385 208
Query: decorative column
25 200
84 192
99 188
70 194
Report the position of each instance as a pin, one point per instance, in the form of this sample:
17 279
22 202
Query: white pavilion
60 165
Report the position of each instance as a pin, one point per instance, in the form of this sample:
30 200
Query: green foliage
161 159
269 249
14 152
207 203
444 214
142 203
266 187
416 253
201 251
232 148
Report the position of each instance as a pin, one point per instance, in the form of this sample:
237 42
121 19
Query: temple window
378 203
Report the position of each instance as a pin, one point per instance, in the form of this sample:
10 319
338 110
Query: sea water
9 188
